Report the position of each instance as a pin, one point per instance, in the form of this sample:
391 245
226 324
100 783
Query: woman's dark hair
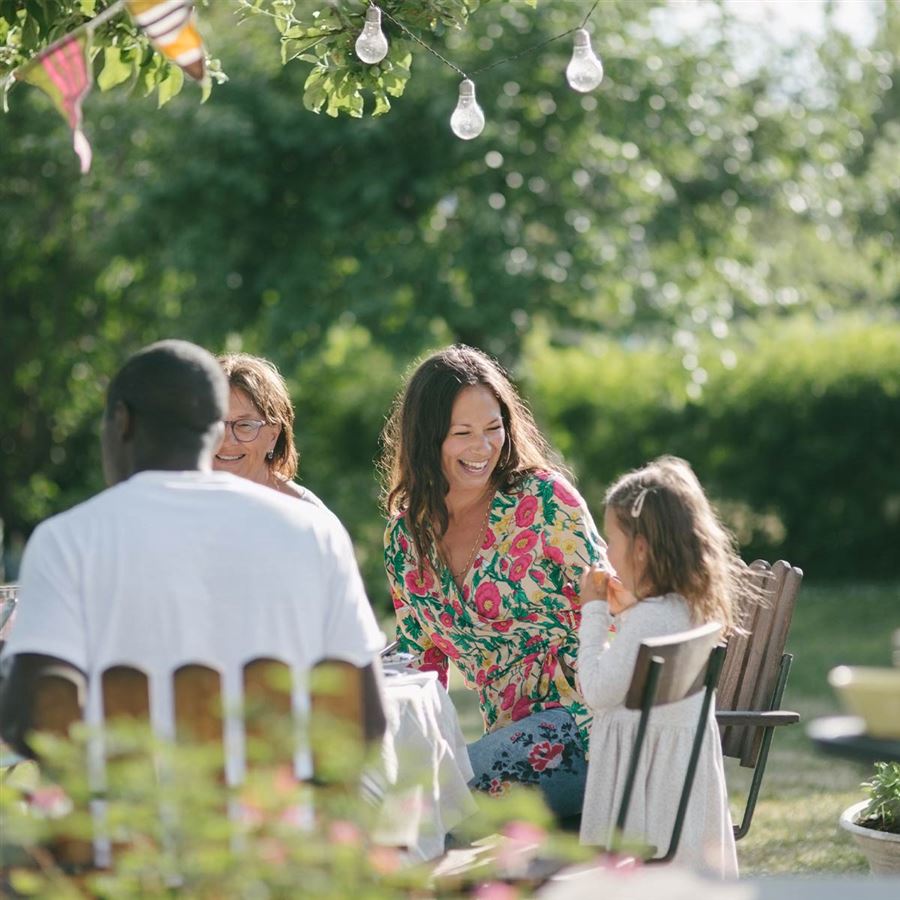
263 384
410 464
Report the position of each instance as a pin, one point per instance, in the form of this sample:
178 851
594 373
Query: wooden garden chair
337 704
754 676
668 669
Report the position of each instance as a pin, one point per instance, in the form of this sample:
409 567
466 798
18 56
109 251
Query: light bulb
585 71
372 45
467 121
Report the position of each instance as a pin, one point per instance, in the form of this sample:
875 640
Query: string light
467 121
585 71
372 45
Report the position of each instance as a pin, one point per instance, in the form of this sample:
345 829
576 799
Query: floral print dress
511 628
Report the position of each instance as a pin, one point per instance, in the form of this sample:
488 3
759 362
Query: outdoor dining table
424 767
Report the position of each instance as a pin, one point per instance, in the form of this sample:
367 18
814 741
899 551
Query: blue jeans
542 749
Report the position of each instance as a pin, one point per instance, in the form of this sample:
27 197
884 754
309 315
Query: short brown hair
261 381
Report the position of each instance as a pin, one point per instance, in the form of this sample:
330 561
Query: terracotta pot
881 848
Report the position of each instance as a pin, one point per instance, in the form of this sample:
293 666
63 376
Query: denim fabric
542 749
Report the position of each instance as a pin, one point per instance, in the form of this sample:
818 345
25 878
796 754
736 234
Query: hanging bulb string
499 62
538 46
429 48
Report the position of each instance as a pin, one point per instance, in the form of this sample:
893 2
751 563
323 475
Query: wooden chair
667 669
754 676
336 705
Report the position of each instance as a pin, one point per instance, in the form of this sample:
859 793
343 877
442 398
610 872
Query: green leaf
115 69
170 85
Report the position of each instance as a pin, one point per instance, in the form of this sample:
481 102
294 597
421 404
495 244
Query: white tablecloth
425 767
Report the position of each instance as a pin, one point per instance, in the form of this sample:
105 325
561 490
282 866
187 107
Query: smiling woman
483 551
259 429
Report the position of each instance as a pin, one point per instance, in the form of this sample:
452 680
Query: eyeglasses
244 430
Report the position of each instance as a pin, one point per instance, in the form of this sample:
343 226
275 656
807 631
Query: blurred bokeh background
699 257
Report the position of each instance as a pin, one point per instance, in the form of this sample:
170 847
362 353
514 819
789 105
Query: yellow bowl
871 693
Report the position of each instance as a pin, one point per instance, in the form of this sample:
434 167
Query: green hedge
795 435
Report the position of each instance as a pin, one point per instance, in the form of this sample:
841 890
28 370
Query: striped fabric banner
63 73
170 26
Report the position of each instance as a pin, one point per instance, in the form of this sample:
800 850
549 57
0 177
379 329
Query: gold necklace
479 540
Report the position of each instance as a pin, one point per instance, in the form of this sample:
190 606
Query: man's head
164 410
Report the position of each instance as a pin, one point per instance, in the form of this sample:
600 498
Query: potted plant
875 823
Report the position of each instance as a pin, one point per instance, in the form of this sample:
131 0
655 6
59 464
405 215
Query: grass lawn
795 828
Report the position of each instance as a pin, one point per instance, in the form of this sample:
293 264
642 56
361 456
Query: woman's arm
411 636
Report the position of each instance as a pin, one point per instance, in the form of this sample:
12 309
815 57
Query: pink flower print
428 614
532 617
445 646
419 583
504 565
541 475
523 543
465 592
446 620
398 601
545 756
508 696
521 709
404 543
534 639
498 787
493 670
457 606
433 657
526 510
487 600
554 554
481 678
569 593
519 569
537 575
565 495
489 539
503 625
478 561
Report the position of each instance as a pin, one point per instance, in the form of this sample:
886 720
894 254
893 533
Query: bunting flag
170 26
63 73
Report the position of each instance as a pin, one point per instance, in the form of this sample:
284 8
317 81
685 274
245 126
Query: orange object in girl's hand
594 584
618 596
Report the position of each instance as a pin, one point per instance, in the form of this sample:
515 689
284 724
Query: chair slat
268 719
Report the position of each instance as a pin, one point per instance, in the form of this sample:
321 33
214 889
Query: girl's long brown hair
689 551
410 463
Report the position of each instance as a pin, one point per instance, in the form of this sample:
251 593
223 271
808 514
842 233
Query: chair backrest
200 717
685 656
753 658
668 669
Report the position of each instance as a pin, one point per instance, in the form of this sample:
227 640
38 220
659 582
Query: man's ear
123 421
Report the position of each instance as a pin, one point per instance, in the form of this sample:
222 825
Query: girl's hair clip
638 504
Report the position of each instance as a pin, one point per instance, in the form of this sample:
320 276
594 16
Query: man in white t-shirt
176 563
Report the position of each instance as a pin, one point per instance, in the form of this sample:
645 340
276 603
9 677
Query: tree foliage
688 196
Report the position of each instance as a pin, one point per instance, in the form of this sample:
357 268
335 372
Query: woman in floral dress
484 551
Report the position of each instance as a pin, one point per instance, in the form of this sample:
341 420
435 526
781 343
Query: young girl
676 568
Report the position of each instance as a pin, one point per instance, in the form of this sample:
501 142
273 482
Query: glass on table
9 596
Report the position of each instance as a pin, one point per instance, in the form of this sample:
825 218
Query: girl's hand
594 585
618 598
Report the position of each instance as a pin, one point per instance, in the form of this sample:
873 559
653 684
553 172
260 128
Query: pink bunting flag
63 73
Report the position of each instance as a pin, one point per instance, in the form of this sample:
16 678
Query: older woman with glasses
259 431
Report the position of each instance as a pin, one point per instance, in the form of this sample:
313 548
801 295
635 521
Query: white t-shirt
169 568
